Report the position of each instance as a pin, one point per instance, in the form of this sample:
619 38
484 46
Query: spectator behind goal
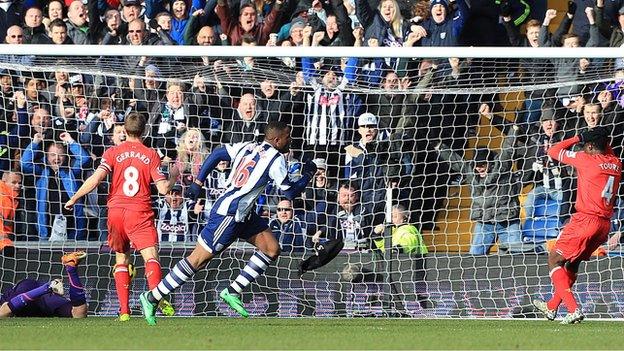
494 190
57 181
10 189
405 237
288 229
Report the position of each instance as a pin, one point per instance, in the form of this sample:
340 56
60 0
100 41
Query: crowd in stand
56 125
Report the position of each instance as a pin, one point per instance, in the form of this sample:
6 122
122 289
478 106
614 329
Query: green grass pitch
306 333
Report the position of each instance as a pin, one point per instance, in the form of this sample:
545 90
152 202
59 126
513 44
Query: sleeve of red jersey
157 174
561 153
106 163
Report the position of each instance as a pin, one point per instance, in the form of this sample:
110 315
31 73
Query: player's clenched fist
309 168
193 191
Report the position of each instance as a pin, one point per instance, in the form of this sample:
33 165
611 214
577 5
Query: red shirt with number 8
134 166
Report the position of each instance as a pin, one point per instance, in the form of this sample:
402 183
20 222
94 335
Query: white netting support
397 137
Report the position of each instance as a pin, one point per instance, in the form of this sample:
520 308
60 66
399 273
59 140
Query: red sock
555 301
562 283
571 277
152 273
122 284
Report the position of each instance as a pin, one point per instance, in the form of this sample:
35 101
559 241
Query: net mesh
397 141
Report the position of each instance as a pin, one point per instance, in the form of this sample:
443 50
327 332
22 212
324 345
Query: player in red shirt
599 173
130 216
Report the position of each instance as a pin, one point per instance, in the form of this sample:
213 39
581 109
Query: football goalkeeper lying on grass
32 298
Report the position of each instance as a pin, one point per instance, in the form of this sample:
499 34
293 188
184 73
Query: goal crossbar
279 51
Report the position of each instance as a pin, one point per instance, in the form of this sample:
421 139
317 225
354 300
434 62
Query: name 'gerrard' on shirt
143 158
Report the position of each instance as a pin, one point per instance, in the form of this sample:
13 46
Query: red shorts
582 236
127 228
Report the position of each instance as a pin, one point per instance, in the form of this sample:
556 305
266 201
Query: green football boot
234 302
148 309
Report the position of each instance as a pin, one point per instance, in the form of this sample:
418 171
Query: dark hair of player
598 137
599 143
135 124
273 128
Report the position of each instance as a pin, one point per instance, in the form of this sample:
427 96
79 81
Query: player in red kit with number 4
599 174
130 216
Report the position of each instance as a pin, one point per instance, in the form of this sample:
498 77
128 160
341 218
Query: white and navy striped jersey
326 115
173 224
253 167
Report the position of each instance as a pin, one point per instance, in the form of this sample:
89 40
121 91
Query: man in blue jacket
56 182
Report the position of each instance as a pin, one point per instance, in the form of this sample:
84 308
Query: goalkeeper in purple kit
32 298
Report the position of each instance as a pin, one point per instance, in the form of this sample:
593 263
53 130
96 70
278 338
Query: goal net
433 172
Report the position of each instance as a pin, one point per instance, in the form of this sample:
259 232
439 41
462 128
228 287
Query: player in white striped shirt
254 166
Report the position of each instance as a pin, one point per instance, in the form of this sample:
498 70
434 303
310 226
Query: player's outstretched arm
165 186
296 188
218 154
557 152
91 183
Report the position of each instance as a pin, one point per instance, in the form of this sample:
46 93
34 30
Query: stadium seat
540 229
546 208
545 223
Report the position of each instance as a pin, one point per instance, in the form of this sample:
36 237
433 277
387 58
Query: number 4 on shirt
607 191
